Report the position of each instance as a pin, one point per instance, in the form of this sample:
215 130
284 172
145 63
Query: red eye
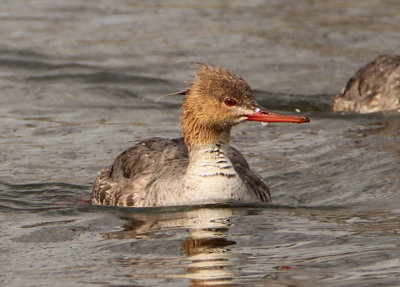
230 102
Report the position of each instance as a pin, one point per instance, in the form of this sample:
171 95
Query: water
78 82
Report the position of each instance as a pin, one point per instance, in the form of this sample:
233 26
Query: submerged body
201 167
374 87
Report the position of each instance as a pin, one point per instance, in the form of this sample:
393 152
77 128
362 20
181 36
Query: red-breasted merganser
201 167
374 87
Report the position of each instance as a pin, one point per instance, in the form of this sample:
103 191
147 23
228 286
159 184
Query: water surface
78 82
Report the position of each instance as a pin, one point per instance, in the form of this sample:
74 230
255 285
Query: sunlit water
78 83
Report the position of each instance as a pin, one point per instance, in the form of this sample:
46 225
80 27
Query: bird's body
216 174
199 168
374 87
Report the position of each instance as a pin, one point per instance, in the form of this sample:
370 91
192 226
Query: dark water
78 81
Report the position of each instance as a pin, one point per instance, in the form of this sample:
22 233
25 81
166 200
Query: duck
200 167
375 87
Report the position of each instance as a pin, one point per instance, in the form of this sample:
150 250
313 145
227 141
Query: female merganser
374 87
201 167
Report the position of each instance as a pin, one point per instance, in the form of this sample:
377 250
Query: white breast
211 177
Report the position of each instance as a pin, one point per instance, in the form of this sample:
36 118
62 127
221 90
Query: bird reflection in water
207 260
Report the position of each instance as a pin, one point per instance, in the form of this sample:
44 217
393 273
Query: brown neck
198 134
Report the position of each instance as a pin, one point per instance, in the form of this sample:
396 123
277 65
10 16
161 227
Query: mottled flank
136 174
201 167
375 87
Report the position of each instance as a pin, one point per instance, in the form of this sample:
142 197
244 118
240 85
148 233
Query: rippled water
78 81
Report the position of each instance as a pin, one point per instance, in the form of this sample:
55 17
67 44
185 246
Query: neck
210 176
200 135
206 139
